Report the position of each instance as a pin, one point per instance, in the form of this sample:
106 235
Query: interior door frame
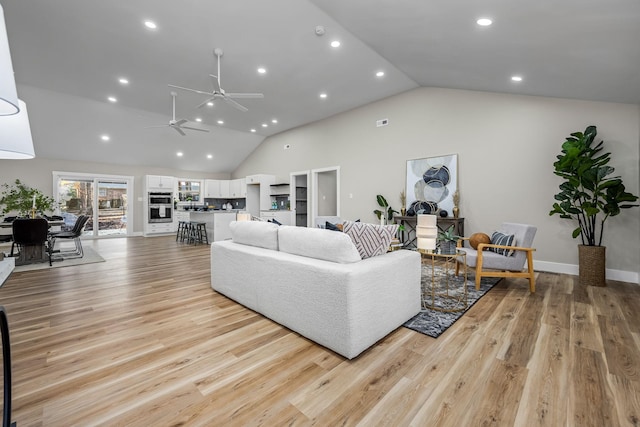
316 194
292 195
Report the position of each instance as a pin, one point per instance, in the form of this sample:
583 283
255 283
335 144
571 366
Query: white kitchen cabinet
162 183
224 186
238 188
212 188
283 217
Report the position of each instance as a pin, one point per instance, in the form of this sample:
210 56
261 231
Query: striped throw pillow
370 239
498 238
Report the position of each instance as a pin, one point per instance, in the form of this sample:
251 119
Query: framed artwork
431 183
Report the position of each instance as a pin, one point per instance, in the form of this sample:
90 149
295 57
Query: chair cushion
370 239
498 238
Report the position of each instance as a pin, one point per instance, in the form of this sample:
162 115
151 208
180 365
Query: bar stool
199 232
182 229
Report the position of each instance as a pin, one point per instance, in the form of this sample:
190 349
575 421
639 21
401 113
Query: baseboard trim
556 267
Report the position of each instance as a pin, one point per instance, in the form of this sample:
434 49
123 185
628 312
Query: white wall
506 146
38 173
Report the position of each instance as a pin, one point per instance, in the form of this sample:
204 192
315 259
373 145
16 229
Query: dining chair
31 233
74 235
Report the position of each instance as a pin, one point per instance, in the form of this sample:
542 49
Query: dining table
33 253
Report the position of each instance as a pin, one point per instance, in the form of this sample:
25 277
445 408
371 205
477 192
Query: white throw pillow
370 239
255 233
317 243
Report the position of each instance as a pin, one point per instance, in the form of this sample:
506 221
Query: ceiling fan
218 92
177 124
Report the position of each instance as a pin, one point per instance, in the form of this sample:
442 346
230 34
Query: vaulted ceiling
69 55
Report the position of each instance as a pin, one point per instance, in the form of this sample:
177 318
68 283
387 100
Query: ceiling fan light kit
218 92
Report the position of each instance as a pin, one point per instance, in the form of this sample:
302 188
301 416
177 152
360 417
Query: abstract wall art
431 183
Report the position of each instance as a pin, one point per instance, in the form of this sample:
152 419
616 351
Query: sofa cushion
317 243
370 239
255 233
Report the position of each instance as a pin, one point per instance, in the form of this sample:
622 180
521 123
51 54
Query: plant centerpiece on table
21 198
448 241
589 195
385 215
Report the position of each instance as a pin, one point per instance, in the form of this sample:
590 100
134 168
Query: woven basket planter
592 265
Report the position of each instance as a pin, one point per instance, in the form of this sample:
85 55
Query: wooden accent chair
492 264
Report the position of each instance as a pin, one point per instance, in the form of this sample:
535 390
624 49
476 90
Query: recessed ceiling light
105 137
209 104
220 122
516 78
209 156
112 99
323 95
380 74
253 130
150 25
484 22
264 125
123 81
262 70
274 121
335 43
198 119
179 154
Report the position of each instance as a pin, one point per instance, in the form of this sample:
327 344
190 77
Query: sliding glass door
103 198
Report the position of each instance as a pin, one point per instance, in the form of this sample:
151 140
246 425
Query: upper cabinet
238 188
160 183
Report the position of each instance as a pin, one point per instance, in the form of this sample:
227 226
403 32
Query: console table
408 235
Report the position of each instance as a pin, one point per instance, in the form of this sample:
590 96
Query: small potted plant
385 215
447 241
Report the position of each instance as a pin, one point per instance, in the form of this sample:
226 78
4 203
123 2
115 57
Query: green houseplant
386 213
18 197
448 241
589 195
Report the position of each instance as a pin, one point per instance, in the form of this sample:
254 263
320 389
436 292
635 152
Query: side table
444 291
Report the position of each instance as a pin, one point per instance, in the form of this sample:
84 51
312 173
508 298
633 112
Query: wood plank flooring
142 340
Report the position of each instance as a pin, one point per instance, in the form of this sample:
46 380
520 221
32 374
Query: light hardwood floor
142 340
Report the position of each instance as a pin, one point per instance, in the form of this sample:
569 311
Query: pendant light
15 135
8 95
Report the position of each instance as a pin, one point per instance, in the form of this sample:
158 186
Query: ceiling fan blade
198 129
244 95
180 131
235 104
205 102
180 122
192 90
159 126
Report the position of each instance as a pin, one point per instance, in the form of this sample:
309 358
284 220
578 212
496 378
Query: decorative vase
592 265
447 247
456 211
403 211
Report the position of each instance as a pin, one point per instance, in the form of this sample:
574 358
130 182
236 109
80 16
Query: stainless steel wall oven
160 207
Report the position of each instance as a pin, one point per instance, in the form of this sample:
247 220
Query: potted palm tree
589 195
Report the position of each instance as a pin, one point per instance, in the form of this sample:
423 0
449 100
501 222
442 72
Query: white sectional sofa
314 282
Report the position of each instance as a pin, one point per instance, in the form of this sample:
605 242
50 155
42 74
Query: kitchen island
217 222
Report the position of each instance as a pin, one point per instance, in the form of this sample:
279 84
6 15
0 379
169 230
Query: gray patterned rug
434 322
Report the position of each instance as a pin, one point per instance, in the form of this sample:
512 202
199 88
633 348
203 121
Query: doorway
299 198
325 188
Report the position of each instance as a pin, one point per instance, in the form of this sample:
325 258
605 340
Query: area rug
434 322
90 257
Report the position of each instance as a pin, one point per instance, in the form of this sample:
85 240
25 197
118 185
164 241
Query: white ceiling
583 49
